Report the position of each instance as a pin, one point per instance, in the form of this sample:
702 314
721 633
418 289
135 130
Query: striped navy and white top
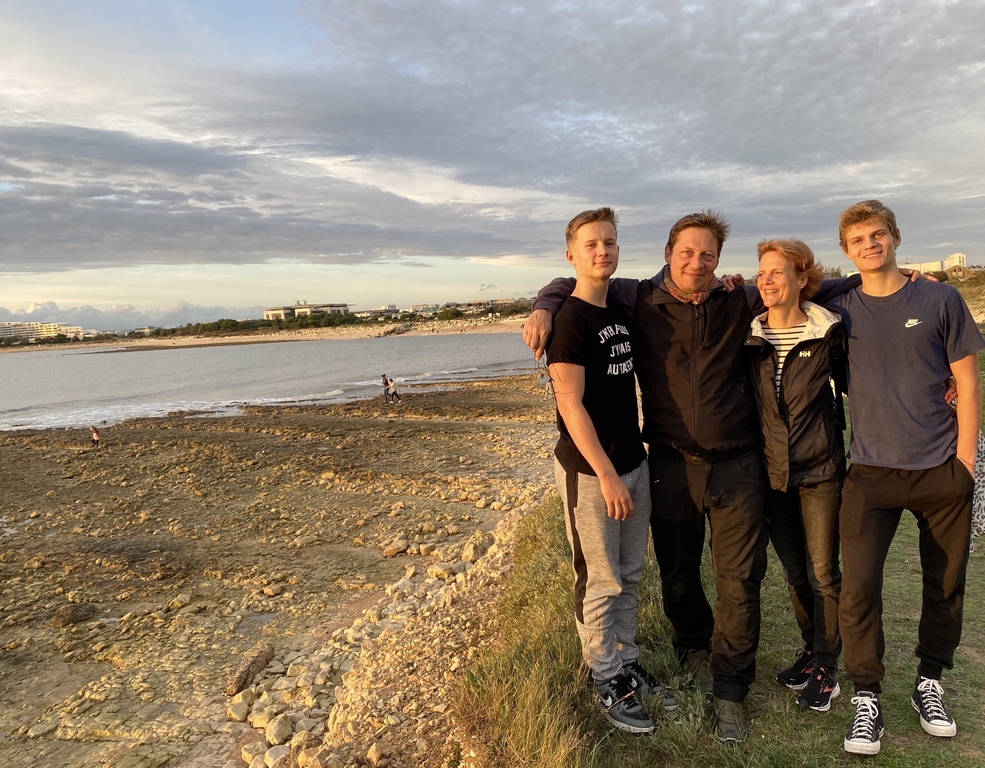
783 340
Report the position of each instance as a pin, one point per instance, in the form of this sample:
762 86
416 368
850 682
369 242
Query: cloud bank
367 133
125 316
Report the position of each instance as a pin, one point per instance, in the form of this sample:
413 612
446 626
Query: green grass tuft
527 704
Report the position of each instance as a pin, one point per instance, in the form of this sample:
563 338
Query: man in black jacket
700 422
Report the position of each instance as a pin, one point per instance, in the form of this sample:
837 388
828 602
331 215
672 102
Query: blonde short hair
590 217
862 212
801 256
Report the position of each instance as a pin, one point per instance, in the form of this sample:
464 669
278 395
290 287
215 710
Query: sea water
79 387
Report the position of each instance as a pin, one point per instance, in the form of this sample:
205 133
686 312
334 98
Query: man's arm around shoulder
537 328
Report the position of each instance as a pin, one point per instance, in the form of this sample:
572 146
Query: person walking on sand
392 389
95 436
601 473
386 389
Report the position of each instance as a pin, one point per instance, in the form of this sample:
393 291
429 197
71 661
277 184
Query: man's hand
618 502
951 392
731 282
916 274
536 329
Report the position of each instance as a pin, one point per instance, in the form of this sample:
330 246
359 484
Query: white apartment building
299 308
954 260
34 331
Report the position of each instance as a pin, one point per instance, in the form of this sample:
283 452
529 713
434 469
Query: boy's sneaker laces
927 699
617 702
645 684
867 729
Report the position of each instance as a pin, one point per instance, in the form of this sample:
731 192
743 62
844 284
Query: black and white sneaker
867 729
617 702
797 676
820 690
927 699
645 684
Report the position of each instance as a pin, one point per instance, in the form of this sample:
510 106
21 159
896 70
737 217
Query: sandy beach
137 577
363 331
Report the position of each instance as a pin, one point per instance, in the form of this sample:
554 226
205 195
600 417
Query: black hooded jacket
802 427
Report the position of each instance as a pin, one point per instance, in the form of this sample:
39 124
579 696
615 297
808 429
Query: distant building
34 331
425 309
954 260
964 272
481 305
387 310
300 308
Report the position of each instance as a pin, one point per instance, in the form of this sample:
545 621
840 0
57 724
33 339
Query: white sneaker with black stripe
865 734
927 699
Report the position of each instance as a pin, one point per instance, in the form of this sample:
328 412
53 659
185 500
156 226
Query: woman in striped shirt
797 352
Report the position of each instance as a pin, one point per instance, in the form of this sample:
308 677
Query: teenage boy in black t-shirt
907 452
601 473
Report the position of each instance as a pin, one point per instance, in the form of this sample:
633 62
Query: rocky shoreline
350 553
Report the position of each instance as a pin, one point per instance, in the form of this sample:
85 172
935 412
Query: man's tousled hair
589 217
862 212
801 256
714 221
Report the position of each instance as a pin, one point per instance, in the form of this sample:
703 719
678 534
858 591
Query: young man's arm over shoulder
537 327
569 389
830 289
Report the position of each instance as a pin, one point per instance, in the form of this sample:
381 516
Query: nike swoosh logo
911 323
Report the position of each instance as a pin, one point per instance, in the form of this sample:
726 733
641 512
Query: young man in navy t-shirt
907 452
601 473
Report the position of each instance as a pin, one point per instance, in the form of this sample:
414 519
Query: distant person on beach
907 452
386 389
601 473
392 389
796 349
94 433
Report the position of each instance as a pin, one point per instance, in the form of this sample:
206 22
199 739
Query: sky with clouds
168 161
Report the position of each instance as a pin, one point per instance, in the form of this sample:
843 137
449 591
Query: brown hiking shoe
731 721
698 665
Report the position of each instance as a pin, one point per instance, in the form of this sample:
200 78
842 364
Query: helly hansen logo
805 353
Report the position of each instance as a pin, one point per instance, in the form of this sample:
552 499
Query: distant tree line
226 326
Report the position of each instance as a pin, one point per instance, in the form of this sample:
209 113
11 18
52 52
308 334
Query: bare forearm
586 439
969 421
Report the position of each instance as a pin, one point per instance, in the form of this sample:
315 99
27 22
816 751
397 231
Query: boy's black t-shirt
597 339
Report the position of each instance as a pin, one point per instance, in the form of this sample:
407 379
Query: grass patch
527 704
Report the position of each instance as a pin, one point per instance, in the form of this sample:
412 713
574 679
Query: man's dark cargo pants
730 491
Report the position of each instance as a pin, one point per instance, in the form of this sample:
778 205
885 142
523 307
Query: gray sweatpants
607 556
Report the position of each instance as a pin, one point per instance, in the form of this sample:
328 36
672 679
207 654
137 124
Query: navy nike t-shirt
900 348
